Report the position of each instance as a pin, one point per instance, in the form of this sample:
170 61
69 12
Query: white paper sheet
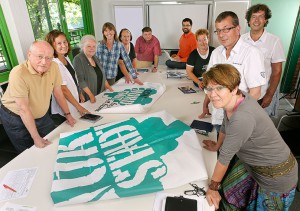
8 206
16 184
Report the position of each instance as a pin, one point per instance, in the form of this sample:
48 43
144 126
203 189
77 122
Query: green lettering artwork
132 96
115 160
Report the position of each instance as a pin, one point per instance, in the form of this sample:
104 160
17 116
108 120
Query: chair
288 128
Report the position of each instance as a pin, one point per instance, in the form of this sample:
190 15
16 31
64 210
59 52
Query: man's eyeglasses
225 30
188 25
197 191
47 58
208 90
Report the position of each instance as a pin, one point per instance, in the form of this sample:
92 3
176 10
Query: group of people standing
240 78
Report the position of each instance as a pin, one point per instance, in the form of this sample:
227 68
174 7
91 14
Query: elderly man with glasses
25 104
187 44
246 58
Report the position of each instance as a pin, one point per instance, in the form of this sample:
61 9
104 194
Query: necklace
238 103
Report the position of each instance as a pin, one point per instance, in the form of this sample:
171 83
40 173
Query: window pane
74 21
44 16
3 65
4 62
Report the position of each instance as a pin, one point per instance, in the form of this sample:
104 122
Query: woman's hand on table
210 145
213 198
204 113
138 81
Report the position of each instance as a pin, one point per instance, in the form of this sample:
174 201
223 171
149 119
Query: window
64 15
3 63
8 58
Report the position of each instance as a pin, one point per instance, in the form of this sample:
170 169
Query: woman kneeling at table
265 176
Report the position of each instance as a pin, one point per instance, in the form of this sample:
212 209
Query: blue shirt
109 59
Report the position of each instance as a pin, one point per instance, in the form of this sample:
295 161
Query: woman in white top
70 88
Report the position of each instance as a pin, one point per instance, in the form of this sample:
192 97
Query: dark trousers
175 65
18 133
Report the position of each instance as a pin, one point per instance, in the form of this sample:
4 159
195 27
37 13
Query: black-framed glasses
197 191
225 30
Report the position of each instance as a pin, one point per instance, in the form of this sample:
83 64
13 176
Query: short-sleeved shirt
109 59
147 50
248 60
25 82
252 136
197 62
187 43
272 49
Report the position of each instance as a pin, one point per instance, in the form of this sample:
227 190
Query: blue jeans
175 65
18 133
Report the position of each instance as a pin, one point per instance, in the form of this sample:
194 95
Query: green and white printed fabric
136 156
128 98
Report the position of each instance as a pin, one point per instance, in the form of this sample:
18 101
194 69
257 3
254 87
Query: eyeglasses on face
188 25
225 30
218 89
40 57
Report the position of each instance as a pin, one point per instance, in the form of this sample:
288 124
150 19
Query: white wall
19 26
103 12
17 18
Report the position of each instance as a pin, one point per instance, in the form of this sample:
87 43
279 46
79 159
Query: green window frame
74 35
7 48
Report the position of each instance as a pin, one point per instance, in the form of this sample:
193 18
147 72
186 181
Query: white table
180 105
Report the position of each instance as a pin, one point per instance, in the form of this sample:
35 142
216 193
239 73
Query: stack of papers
16 184
173 74
186 89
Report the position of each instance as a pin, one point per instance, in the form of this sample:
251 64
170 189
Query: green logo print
132 96
114 160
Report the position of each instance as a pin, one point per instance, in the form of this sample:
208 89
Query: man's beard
186 31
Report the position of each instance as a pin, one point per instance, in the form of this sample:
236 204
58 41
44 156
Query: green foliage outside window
45 15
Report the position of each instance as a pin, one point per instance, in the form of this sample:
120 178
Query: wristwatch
215 186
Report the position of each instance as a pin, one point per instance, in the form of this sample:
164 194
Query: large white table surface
180 105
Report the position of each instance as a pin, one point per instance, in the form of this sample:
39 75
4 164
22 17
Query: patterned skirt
241 192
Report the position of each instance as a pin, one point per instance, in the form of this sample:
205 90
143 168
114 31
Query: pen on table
9 188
